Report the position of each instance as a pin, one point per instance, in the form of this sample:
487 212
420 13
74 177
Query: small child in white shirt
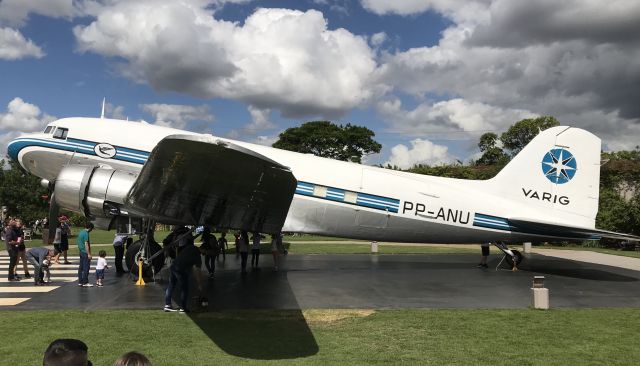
100 267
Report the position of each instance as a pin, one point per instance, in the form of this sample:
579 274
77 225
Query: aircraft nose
13 148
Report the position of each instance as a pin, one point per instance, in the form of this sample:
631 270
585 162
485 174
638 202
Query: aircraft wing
203 180
565 232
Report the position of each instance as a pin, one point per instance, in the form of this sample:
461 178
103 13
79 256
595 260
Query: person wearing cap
64 237
37 258
66 352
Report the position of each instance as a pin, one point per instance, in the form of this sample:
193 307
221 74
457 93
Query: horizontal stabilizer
565 232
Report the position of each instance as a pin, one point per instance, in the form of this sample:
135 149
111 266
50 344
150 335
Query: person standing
243 248
84 248
485 255
37 257
57 239
11 240
274 249
64 238
188 257
255 249
209 249
223 246
118 247
22 249
101 265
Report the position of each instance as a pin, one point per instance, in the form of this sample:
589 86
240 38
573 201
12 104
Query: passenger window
61 133
48 129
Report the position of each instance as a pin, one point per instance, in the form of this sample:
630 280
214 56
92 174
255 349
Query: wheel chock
140 280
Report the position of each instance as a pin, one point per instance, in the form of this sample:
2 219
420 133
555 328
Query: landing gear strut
512 256
143 249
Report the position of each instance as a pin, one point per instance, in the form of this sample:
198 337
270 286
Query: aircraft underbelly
314 216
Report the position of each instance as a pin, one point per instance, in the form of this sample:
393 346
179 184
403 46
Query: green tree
21 192
523 131
491 153
325 139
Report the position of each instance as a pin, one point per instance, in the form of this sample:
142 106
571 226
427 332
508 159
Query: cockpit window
60 133
48 129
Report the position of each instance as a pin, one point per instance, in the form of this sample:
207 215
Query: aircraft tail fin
556 177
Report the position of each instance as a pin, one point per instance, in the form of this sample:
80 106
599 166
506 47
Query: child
45 270
100 267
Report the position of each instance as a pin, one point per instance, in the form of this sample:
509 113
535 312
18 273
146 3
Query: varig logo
104 150
559 166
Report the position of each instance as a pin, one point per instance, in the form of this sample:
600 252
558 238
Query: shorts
485 251
21 248
64 245
100 274
56 248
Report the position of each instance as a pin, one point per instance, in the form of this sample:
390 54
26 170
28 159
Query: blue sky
427 76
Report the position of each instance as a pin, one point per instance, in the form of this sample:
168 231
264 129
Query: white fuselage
332 197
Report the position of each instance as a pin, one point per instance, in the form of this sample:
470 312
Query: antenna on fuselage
102 114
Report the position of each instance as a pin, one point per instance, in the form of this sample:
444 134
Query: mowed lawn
334 337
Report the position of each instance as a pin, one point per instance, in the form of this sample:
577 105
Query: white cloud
16 12
23 117
14 46
378 39
114 111
177 115
584 75
265 140
448 116
421 152
278 58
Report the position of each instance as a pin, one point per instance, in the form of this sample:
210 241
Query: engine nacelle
96 192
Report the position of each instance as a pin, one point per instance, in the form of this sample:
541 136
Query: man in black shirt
11 239
188 258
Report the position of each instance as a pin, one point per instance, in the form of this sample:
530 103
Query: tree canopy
328 140
523 131
21 193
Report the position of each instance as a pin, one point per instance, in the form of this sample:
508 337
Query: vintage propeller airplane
110 169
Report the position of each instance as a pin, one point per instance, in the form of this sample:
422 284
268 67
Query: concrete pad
371 282
593 257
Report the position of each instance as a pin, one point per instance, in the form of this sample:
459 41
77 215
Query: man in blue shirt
84 247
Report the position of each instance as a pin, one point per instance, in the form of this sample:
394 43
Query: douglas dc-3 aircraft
108 169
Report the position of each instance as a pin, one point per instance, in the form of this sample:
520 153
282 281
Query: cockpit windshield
48 129
60 133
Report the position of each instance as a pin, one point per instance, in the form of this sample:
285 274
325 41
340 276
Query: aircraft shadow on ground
571 269
244 317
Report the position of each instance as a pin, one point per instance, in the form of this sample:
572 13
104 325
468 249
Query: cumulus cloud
514 23
447 116
20 117
16 12
278 58
377 39
584 78
14 46
177 115
420 152
114 111
23 117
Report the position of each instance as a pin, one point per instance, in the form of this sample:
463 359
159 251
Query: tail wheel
133 255
517 257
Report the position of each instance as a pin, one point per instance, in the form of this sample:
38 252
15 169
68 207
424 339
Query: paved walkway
592 257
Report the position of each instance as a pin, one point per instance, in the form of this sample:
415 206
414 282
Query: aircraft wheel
132 255
517 256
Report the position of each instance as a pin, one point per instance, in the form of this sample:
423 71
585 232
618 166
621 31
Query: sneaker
169 308
99 285
183 311
87 285
14 279
27 275
67 262
79 285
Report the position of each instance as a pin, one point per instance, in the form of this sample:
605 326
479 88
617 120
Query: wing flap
203 180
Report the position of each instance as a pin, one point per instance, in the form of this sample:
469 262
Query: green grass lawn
334 337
